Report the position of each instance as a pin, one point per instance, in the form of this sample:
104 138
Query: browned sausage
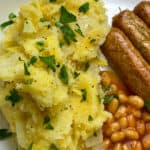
143 11
127 62
136 30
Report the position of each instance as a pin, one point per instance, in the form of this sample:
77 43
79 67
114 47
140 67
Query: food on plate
49 79
136 30
129 126
127 62
143 11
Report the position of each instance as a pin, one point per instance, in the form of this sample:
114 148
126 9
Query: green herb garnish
63 75
12 16
46 119
26 70
108 98
52 0
29 81
95 134
53 147
33 60
13 97
5 24
42 19
106 88
84 95
49 127
87 65
76 74
66 16
90 118
93 40
30 146
5 133
84 8
40 43
50 62
147 104
68 33
78 30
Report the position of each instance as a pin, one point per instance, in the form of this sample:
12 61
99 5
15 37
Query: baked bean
132 145
117 136
110 120
106 80
125 147
121 112
131 134
140 126
146 116
131 121
136 113
123 98
123 122
113 106
118 146
138 146
136 101
146 141
114 127
106 143
148 127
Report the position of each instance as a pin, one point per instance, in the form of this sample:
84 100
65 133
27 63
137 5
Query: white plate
8 6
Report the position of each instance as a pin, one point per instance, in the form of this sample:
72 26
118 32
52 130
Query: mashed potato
49 78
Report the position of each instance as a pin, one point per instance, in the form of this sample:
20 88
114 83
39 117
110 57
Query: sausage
136 30
127 62
143 11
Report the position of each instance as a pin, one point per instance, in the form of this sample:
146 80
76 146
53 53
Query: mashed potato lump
49 79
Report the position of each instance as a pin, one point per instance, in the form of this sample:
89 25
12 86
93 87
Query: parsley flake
5 133
84 8
76 74
33 60
90 118
108 98
68 33
50 62
30 146
5 24
52 0
26 71
63 75
13 97
78 30
53 147
46 120
40 43
12 16
49 127
147 104
42 19
66 16
84 95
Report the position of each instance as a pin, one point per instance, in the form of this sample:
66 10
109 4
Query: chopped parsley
108 98
33 60
5 24
5 133
40 43
76 74
13 97
42 19
78 30
29 81
49 126
61 44
46 119
53 147
106 88
92 40
66 16
95 134
26 70
12 16
63 75
87 65
84 8
84 95
30 146
68 33
90 118
50 62
147 104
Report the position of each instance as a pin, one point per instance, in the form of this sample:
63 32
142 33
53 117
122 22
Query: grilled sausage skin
143 11
127 62
136 30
